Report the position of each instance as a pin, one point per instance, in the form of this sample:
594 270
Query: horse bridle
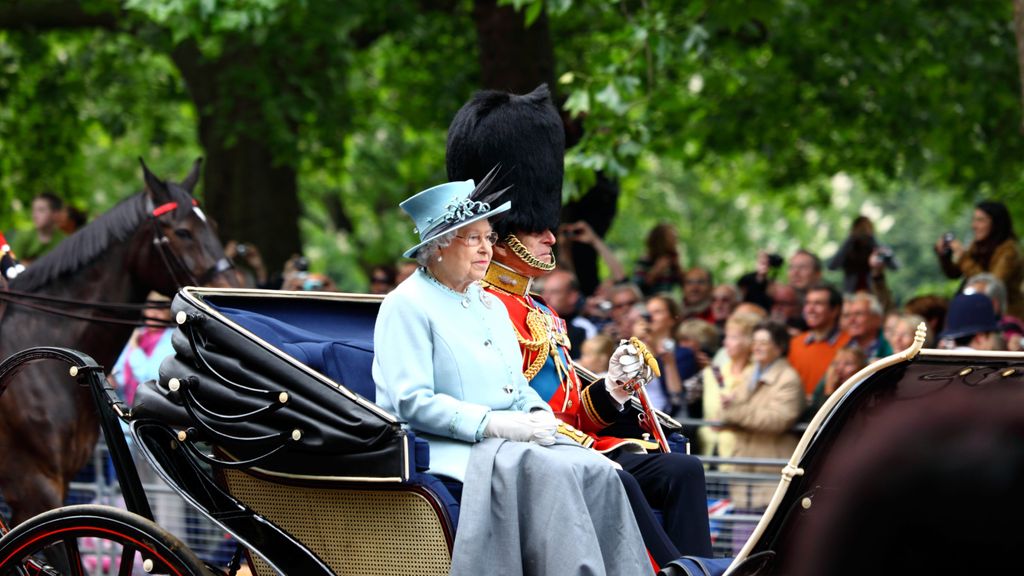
172 262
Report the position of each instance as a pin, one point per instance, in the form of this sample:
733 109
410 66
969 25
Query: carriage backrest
347 361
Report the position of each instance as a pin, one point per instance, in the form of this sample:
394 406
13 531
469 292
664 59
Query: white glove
624 365
510 425
544 427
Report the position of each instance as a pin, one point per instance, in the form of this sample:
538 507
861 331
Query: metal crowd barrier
96 484
731 525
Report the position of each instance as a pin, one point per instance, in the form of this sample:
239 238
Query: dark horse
158 240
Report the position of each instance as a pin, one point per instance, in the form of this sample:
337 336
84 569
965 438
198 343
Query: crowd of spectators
703 329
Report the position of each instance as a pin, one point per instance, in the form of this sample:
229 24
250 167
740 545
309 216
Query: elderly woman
447 362
762 410
719 381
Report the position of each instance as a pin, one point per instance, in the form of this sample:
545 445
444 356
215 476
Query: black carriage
264 422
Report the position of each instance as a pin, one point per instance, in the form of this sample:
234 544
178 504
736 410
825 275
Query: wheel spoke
74 556
127 560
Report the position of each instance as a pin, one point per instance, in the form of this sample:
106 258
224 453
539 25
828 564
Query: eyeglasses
380 280
475 239
629 304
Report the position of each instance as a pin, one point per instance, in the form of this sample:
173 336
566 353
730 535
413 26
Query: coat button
487 342
568 404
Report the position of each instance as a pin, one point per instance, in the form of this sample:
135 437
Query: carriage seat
347 362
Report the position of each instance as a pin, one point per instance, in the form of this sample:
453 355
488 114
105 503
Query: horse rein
172 262
24 299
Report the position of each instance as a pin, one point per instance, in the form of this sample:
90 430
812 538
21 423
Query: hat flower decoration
450 206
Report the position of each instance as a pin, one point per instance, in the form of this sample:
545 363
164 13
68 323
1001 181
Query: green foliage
730 118
903 89
403 89
76 113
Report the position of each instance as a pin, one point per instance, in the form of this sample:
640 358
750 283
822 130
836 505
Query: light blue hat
451 206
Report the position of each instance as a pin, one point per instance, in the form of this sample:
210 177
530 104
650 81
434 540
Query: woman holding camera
993 250
862 259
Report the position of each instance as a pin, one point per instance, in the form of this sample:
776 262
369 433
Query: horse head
185 249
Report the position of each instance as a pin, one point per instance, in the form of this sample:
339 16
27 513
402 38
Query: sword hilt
645 355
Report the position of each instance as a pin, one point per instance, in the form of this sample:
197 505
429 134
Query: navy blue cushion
346 361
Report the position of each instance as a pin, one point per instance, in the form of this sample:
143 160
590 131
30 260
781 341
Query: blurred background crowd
806 319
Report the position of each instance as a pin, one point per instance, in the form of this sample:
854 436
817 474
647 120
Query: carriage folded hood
280 381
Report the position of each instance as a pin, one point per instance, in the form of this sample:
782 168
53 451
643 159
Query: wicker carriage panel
356 532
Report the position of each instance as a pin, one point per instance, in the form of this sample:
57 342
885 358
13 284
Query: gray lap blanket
534 510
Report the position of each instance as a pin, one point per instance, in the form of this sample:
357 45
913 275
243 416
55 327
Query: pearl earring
439 258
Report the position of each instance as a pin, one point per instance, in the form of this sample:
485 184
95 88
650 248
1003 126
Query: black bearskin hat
522 135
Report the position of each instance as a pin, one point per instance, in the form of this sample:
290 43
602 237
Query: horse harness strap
41 303
172 262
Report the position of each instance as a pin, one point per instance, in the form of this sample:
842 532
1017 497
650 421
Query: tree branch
56 15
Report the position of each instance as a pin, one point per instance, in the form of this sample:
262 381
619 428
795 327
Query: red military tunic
544 342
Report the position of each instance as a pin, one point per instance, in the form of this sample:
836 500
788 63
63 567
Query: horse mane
85 246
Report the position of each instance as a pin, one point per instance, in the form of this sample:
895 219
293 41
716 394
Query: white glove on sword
626 371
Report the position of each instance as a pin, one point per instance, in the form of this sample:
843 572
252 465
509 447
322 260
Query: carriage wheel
90 540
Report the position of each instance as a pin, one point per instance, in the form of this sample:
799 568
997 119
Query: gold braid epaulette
540 344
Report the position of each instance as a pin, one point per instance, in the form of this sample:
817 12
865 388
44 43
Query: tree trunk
513 57
252 196
517 59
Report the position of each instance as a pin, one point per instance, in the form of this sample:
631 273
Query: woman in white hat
447 362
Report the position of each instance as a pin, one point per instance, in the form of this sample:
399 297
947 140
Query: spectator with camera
248 264
863 260
298 277
659 269
756 286
677 363
580 232
993 250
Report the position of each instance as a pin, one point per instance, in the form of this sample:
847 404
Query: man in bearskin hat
524 137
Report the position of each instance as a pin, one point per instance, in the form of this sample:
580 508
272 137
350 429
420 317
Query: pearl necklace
464 296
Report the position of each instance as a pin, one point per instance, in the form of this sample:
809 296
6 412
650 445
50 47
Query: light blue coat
442 361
